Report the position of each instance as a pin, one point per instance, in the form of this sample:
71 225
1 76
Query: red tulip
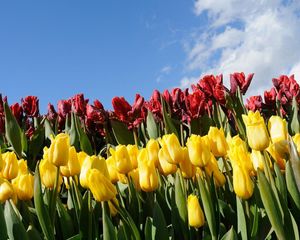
195 104
79 104
154 105
270 96
254 103
52 114
239 80
64 107
30 106
121 108
17 111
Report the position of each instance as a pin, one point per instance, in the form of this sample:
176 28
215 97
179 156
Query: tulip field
198 163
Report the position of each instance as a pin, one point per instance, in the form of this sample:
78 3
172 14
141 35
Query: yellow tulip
24 186
48 174
10 165
257 134
296 140
278 156
195 213
277 129
72 167
58 153
242 183
133 151
6 190
217 140
112 170
1 161
164 166
212 168
188 170
100 186
112 209
123 163
153 148
92 162
147 172
134 175
257 160
22 167
81 156
199 151
171 142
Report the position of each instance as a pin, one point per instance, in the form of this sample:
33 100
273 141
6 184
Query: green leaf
152 127
108 228
74 138
149 229
280 182
85 218
33 234
75 237
292 186
294 125
159 223
3 231
295 162
230 235
242 224
24 141
41 209
169 125
85 143
15 227
36 142
65 220
13 131
121 132
48 129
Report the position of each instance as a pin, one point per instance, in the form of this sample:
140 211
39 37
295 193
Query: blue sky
55 49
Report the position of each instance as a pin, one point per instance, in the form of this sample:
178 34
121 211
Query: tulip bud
10 166
100 186
164 166
199 152
257 160
212 169
24 187
217 141
81 156
257 134
1 161
48 174
195 213
133 151
242 183
58 153
277 128
153 148
123 163
148 175
278 156
173 147
6 190
112 170
73 167
296 140
188 170
134 175
22 167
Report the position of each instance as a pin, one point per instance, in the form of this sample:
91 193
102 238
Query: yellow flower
134 175
22 167
10 165
112 170
48 174
277 129
242 183
164 166
112 208
133 151
296 140
6 190
92 162
257 160
147 172
72 167
188 170
199 151
81 156
24 186
217 140
123 163
58 153
171 142
1 161
212 169
257 134
153 148
100 186
195 213
278 154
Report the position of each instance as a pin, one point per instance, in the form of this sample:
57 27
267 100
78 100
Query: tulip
217 140
133 151
112 170
22 167
257 160
296 140
277 129
188 170
278 156
212 169
123 163
257 133
112 209
239 80
73 167
148 175
6 190
242 183
153 148
195 213
24 187
30 106
48 174
1 161
10 165
173 147
58 153
199 152
164 166
100 186
134 175
81 156
92 162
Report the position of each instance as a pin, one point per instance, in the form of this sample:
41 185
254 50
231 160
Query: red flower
154 105
95 118
121 108
64 107
52 114
270 96
195 104
30 106
254 103
239 80
17 111
79 104
287 88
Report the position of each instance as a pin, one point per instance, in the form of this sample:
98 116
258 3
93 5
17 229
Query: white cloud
259 36
163 72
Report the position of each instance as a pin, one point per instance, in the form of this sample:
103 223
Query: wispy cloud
250 36
164 71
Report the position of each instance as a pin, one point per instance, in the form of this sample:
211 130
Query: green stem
228 173
54 195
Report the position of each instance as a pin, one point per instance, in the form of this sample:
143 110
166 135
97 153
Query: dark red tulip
121 108
154 105
30 105
64 107
79 104
52 114
17 111
254 103
239 80
195 104
270 96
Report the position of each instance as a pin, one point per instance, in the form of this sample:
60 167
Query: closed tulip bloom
212 169
100 186
164 166
296 140
81 156
1 161
134 175
147 172
92 162
195 213
188 170
73 167
278 156
153 148
217 140
48 174
58 153
242 183
257 160
133 151
10 165
174 148
6 190
277 129
24 186
237 141
22 167
122 178
123 163
199 151
112 170
257 134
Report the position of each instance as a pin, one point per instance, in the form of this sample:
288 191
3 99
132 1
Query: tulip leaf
159 223
15 227
241 219
121 132
169 124
65 220
294 124
85 143
75 237
152 127
280 182
85 218
13 131
109 231
36 142
3 231
74 139
33 234
48 129
230 235
149 229
292 186
24 141
295 162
